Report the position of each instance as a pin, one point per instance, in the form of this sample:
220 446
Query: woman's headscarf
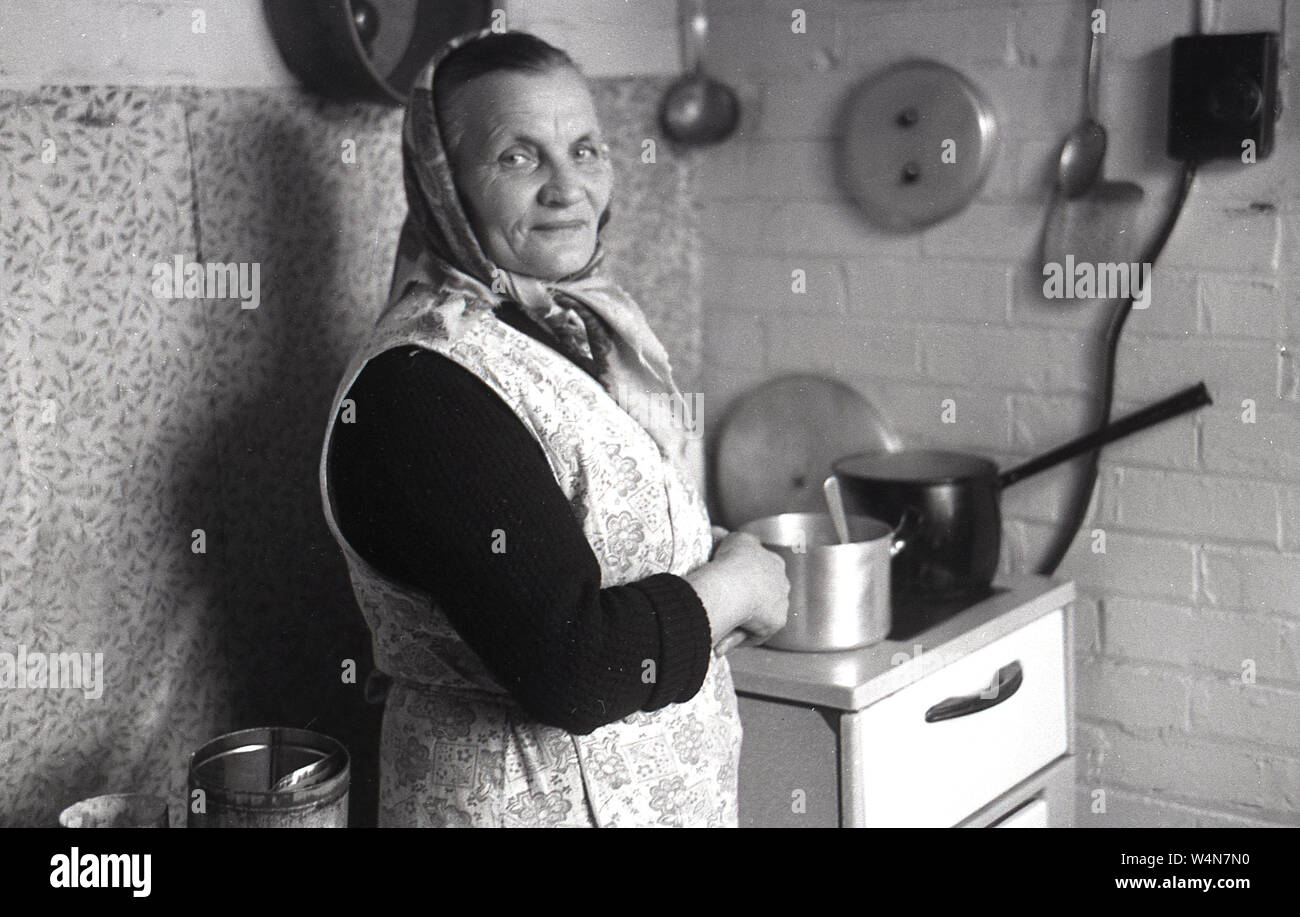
439 255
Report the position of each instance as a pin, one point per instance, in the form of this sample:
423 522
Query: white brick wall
123 42
1204 639
1189 626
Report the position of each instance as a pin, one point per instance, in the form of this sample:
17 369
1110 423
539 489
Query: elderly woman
538 573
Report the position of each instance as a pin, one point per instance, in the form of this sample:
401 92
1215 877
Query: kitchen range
901 654
969 723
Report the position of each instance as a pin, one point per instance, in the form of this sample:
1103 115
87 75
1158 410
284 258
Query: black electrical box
1223 96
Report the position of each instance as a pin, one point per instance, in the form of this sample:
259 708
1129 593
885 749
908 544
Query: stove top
853 679
912 615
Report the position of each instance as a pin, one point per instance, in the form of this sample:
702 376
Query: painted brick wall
1189 629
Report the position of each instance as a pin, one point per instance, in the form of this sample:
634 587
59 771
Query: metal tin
231 779
839 593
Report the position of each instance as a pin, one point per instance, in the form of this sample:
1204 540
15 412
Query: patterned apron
456 749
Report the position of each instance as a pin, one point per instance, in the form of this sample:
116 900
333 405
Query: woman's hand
734 640
744 590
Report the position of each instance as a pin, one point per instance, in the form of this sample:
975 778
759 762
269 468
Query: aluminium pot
948 504
839 593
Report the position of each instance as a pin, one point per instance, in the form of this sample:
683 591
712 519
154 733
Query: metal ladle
1081 158
698 110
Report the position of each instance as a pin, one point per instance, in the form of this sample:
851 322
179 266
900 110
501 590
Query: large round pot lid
368 49
778 441
918 142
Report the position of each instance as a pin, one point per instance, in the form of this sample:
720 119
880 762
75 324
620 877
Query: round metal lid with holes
918 141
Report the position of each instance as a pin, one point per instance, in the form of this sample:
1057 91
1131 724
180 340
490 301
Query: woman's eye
588 152
515 159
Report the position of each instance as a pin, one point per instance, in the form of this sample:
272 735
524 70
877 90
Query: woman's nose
562 189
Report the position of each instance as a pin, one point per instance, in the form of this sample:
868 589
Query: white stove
968 722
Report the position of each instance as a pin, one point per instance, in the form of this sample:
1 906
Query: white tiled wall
1200 581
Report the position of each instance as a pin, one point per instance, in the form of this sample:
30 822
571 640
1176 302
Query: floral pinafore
456 750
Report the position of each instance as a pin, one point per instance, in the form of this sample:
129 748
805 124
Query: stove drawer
939 749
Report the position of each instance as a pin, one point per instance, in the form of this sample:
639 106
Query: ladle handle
1189 399
1092 81
695 33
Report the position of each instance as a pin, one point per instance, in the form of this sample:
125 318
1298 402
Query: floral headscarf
439 255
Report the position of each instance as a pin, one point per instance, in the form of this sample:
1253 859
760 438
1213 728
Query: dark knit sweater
435 476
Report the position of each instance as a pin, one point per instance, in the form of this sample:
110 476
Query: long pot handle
695 34
1189 399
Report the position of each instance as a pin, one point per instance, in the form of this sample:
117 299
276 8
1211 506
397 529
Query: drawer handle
1008 682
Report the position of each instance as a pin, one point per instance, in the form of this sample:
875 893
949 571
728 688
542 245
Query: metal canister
233 781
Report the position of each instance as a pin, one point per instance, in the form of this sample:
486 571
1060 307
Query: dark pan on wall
367 49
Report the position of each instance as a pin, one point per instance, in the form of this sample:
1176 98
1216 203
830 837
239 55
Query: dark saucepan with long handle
954 534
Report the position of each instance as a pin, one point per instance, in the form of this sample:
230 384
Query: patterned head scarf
438 256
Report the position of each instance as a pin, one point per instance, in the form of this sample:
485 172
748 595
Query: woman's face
531 169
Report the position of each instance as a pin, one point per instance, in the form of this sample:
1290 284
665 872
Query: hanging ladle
698 110
1084 149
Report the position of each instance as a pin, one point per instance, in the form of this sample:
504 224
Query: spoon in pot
835 503
1079 165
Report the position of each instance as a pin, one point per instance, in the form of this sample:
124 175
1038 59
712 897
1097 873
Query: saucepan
951 500
839 592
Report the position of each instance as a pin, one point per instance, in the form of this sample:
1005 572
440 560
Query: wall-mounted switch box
1223 96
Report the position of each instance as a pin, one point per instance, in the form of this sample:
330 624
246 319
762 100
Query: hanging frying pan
367 49
955 530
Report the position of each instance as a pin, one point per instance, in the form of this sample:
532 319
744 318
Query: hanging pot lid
918 142
778 441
